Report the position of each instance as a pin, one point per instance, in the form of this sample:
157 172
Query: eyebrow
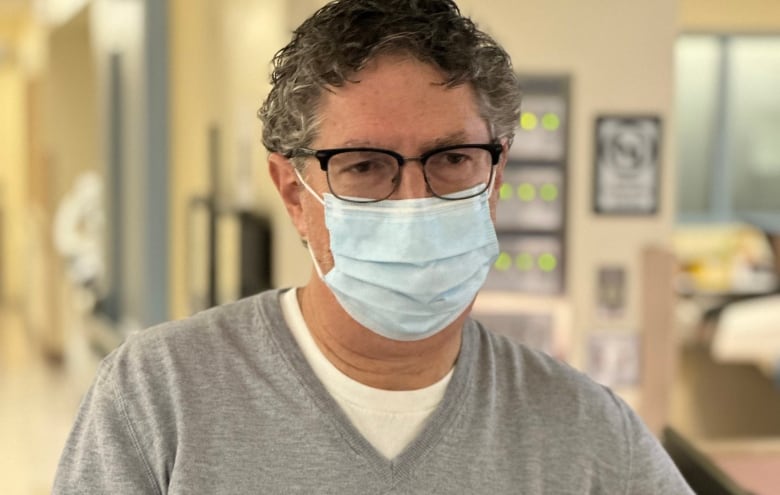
448 140
458 137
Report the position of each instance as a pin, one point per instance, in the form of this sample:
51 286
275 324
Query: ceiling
13 7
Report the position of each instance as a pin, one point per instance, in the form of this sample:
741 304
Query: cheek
317 233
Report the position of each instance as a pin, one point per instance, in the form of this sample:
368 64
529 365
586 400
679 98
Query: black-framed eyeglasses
368 175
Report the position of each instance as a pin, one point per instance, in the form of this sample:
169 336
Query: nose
411 181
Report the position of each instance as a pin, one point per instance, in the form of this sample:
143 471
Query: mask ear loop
308 187
492 183
314 261
308 244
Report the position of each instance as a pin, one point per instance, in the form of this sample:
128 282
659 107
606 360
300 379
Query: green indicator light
524 262
549 192
526 192
528 121
551 122
548 262
504 262
505 192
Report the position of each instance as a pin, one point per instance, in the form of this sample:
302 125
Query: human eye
362 173
362 165
358 163
456 169
452 158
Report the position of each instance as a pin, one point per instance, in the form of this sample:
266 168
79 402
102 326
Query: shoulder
526 367
548 389
196 343
545 410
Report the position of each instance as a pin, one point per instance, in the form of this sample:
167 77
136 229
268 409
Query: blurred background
639 223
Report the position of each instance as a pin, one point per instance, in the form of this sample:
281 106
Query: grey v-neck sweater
224 402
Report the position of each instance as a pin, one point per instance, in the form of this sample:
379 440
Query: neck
370 358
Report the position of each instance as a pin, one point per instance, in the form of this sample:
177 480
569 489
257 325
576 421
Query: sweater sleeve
102 453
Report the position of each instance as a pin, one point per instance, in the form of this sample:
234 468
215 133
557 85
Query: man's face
397 104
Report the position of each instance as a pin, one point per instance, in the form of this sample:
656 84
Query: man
388 126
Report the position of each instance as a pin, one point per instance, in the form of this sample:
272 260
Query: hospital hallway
637 218
38 402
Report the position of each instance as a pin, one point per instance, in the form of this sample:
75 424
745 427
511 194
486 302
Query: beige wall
72 142
13 182
734 16
68 127
19 35
220 55
189 101
46 138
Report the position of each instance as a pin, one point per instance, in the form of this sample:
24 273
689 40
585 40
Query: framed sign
626 175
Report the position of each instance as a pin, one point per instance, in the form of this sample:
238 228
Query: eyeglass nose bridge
403 160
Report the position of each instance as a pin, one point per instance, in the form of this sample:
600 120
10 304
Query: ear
282 173
498 179
500 166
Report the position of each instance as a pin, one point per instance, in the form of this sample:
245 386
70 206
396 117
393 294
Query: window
728 121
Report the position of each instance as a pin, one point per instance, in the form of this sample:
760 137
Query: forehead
400 103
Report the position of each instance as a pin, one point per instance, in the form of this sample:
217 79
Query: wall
191 104
70 96
22 41
220 55
734 16
13 182
67 129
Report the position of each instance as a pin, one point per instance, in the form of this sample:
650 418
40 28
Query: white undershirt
388 419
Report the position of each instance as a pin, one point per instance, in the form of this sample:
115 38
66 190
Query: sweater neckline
392 471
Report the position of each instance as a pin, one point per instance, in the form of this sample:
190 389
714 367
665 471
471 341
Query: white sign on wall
627 168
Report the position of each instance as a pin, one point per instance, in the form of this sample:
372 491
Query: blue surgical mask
406 269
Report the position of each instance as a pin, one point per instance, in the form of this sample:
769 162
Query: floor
38 402
731 412
754 467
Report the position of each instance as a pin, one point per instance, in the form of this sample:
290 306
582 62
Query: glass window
697 69
753 152
728 121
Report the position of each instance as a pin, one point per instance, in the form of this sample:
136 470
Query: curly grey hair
344 35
